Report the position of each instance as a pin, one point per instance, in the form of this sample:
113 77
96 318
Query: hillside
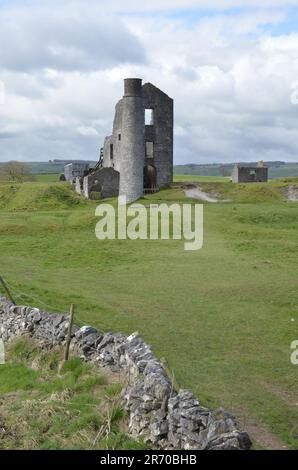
36 195
220 189
48 195
221 317
276 169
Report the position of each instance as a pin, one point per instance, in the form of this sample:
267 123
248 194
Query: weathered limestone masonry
137 157
141 145
164 417
132 142
250 174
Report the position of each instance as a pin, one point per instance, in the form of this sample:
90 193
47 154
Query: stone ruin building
137 157
250 174
75 169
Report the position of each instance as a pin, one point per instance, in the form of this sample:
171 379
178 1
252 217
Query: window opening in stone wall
253 175
149 149
149 117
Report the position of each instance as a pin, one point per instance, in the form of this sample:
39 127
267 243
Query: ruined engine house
138 156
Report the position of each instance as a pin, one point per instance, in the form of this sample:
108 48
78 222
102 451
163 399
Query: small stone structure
250 174
140 148
165 418
104 182
74 170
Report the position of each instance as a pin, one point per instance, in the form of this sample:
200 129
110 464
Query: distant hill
276 169
53 166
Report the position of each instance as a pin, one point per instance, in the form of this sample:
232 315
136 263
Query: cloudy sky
230 65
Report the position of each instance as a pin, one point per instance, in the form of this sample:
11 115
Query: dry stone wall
166 418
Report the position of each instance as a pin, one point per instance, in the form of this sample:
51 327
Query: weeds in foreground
48 404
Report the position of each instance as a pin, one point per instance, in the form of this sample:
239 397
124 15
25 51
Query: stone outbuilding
75 169
104 182
250 174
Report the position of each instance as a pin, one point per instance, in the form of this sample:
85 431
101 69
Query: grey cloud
27 85
64 41
8 135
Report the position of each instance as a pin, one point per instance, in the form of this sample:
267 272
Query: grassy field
38 196
42 178
274 191
198 178
223 317
47 178
46 404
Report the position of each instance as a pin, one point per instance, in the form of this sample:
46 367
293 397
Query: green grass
39 178
200 178
273 191
220 317
39 196
56 405
47 178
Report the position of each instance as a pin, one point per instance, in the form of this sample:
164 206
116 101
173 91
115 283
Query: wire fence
79 322
50 308
20 295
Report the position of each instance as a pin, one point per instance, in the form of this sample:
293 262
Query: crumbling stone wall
104 181
75 169
160 133
164 417
78 185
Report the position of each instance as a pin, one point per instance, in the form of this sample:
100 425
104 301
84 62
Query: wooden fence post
7 290
68 339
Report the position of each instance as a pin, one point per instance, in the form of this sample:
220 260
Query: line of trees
15 171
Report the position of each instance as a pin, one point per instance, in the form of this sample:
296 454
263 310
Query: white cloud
87 131
158 5
2 93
